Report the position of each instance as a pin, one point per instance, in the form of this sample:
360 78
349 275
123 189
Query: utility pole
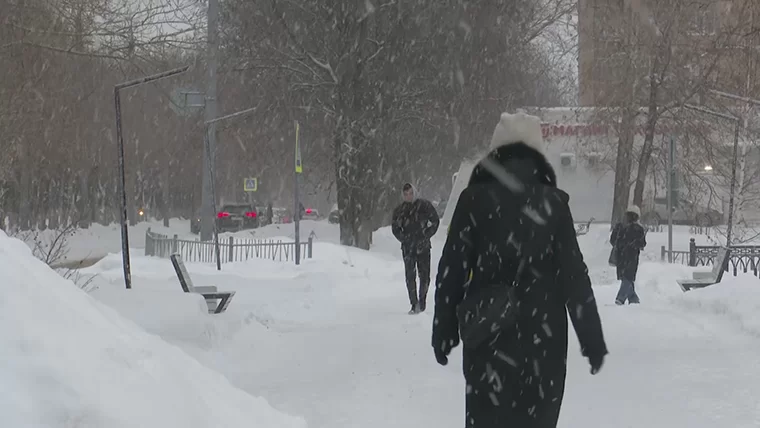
297 210
209 140
671 186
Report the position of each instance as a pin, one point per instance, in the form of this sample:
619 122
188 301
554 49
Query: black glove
443 348
596 362
441 356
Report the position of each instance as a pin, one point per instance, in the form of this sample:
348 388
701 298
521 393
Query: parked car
685 213
310 214
334 216
237 216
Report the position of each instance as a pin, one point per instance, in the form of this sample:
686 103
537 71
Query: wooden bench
704 279
217 301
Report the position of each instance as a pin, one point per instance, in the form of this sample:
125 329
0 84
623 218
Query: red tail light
308 211
251 214
223 215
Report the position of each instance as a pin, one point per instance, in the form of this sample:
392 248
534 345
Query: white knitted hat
634 209
518 128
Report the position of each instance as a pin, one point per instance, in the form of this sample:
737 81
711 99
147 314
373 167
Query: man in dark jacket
512 213
628 239
414 222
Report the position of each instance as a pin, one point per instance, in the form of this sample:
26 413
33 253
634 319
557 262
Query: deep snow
71 361
331 341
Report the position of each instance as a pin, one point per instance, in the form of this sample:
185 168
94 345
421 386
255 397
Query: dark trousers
417 259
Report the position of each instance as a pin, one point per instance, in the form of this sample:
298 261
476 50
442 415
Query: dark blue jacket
628 240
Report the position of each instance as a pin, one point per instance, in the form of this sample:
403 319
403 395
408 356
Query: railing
653 227
744 257
230 250
681 257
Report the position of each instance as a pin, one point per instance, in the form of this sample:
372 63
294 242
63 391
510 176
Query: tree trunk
645 158
343 173
56 196
25 188
363 234
623 165
165 191
646 150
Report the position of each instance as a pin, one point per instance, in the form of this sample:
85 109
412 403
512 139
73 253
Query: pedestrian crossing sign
299 164
251 184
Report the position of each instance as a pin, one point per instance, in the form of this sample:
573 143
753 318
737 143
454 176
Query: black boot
412 288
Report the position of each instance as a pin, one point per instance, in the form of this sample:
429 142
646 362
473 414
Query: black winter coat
629 240
414 223
518 379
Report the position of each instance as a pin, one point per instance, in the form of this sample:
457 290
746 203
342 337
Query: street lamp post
737 124
671 184
210 165
736 143
122 174
210 113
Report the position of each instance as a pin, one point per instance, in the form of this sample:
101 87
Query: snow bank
176 316
70 361
737 299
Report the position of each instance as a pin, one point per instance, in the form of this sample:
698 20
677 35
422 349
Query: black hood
514 163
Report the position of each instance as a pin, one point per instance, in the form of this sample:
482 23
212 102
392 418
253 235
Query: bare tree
384 93
651 58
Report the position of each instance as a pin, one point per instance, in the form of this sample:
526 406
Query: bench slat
210 293
705 279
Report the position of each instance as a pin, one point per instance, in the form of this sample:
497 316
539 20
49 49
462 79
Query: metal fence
230 250
742 257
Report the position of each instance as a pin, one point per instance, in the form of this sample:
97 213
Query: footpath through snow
331 340
71 361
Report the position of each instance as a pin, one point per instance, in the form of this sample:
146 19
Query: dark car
334 216
234 217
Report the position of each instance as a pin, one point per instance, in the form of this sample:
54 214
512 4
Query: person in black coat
511 213
628 239
414 222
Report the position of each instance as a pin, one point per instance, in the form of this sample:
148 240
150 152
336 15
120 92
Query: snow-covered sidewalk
331 341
